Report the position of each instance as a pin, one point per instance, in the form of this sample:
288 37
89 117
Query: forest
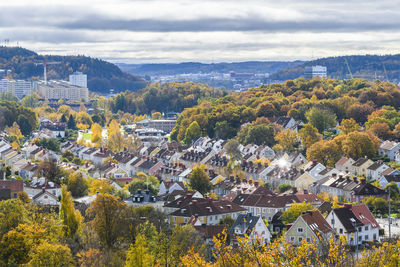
364 66
102 75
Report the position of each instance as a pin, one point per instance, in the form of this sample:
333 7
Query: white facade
19 88
315 71
78 79
63 90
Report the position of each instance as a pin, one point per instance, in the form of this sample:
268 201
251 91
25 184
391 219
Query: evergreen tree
63 118
71 122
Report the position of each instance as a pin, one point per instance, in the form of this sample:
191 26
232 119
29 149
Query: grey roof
245 222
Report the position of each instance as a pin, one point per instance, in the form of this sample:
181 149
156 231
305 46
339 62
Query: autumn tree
14 131
321 119
96 133
192 132
309 135
156 115
77 185
284 187
349 125
139 253
100 186
107 214
71 218
325 152
286 140
199 181
12 213
294 211
381 130
56 255
358 144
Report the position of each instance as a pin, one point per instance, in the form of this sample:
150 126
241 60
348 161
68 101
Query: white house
355 222
171 186
46 198
375 170
389 149
252 226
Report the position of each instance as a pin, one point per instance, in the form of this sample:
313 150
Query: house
252 226
171 186
352 189
11 187
311 227
313 168
355 222
375 170
56 128
304 181
344 164
46 198
386 179
38 185
208 231
28 171
209 212
389 149
360 167
145 198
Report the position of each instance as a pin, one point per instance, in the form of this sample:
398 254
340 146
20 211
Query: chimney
334 175
349 206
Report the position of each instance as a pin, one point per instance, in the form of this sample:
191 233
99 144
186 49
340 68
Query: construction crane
384 68
44 63
348 67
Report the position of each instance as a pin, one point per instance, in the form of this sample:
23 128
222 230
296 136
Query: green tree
192 132
70 218
199 181
71 122
284 187
228 221
63 118
30 101
294 211
77 185
144 182
51 255
321 119
325 152
309 135
260 134
107 214
232 148
394 190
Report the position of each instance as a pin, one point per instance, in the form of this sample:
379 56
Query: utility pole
390 219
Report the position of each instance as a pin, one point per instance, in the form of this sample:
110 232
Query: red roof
14 186
316 222
342 161
364 215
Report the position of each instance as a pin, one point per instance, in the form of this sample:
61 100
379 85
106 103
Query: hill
102 75
368 67
196 67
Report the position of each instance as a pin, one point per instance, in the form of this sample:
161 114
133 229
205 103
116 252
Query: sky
161 31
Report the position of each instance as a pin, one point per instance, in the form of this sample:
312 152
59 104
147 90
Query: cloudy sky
144 31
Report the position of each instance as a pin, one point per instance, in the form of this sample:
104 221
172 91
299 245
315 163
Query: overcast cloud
135 31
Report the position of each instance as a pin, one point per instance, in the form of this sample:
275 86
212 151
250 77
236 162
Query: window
174 219
308 239
374 237
292 238
359 229
359 238
185 220
341 230
366 228
300 230
300 239
332 221
366 238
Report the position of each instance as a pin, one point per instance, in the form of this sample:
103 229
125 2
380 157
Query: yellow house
360 167
304 181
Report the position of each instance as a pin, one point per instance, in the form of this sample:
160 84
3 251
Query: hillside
102 75
196 67
361 67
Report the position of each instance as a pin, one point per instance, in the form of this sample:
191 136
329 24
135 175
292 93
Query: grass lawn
87 136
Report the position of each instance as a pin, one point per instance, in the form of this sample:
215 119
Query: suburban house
352 189
313 168
46 198
311 227
252 226
11 188
209 212
360 167
38 185
386 179
374 172
171 186
344 164
389 149
355 222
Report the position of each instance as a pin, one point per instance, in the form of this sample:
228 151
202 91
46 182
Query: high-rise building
22 88
78 79
314 71
55 90
19 88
